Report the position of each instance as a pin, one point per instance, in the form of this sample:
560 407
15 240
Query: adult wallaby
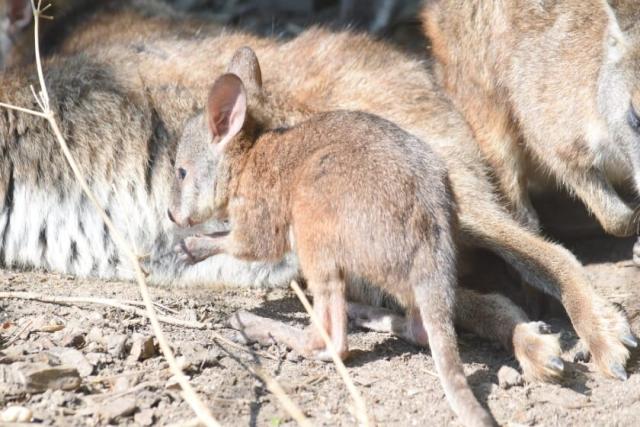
149 90
81 23
549 86
314 189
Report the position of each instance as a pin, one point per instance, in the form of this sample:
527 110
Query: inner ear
226 108
19 13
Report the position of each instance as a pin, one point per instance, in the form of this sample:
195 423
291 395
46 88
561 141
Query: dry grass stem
124 306
361 407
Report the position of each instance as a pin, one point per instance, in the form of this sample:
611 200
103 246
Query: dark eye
634 120
182 173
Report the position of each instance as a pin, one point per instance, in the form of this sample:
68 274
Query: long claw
556 364
618 371
629 340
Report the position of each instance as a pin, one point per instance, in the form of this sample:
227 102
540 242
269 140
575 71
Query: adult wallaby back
147 92
314 189
81 23
551 86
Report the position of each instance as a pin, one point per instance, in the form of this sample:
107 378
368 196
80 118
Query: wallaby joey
353 195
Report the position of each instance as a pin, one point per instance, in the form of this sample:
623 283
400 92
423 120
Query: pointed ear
244 64
226 108
19 13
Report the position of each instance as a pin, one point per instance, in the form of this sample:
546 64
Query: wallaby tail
442 340
434 292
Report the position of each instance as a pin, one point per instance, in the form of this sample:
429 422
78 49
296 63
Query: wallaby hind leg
330 307
491 316
554 270
496 317
408 327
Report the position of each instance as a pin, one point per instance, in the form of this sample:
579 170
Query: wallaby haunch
353 195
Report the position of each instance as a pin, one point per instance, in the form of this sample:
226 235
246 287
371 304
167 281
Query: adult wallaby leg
497 138
491 316
593 188
554 270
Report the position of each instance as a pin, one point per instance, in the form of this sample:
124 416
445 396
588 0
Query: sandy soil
397 379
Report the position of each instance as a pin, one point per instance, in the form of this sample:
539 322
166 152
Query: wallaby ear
19 13
226 108
245 65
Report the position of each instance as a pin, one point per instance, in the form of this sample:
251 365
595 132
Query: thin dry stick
190 395
276 389
101 301
361 407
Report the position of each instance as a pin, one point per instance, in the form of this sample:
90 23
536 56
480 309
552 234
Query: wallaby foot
538 351
383 320
535 348
194 249
607 338
266 331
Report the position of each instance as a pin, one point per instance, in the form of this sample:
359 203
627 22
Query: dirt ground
120 385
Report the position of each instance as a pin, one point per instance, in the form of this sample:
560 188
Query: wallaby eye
182 173
634 119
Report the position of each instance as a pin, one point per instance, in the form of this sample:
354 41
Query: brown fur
547 86
327 71
315 189
322 71
78 24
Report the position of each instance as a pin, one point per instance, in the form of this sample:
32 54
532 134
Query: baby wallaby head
202 158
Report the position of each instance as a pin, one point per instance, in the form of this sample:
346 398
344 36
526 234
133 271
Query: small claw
582 356
544 328
556 364
618 371
629 340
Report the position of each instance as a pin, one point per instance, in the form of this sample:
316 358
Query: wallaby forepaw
538 351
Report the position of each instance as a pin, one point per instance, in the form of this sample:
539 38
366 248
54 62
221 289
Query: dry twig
361 407
102 301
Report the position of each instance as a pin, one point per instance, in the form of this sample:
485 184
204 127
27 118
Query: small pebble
16 414
509 377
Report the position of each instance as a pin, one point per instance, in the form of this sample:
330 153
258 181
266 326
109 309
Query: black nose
170 216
